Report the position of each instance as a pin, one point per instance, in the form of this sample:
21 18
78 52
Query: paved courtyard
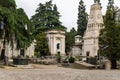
52 72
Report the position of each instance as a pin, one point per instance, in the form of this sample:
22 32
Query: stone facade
15 52
90 38
56 42
77 48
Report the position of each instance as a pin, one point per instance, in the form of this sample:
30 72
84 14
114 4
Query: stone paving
58 73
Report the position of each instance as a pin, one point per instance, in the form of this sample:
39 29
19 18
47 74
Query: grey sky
68 9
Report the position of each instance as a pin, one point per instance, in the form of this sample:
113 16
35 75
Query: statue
97 1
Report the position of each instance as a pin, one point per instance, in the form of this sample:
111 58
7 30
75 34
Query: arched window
58 45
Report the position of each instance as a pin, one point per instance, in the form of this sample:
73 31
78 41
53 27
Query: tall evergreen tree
7 15
12 21
7 21
46 18
109 40
110 4
82 18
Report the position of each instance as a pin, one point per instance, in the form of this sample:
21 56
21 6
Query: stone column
63 45
51 43
54 43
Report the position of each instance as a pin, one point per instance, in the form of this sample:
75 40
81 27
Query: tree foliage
46 18
109 40
23 31
14 21
12 27
7 13
70 39
42 45
8 3
82 18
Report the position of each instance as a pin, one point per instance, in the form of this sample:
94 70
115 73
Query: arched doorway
58 46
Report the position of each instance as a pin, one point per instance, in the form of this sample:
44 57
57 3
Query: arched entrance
58 46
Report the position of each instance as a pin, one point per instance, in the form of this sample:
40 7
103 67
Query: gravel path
58 74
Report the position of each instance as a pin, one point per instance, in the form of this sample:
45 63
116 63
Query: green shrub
71 60
36 54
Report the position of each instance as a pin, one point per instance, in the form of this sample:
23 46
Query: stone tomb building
90 38
77 47
56 42
9 52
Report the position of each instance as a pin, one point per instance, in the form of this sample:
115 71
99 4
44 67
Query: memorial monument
94 25
56 42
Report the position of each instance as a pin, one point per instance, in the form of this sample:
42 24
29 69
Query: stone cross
97 1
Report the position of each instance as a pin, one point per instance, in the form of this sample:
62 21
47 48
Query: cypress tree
82 19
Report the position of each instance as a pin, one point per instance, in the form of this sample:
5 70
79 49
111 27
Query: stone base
20 61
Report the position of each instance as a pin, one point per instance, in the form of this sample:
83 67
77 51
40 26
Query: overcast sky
68 9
